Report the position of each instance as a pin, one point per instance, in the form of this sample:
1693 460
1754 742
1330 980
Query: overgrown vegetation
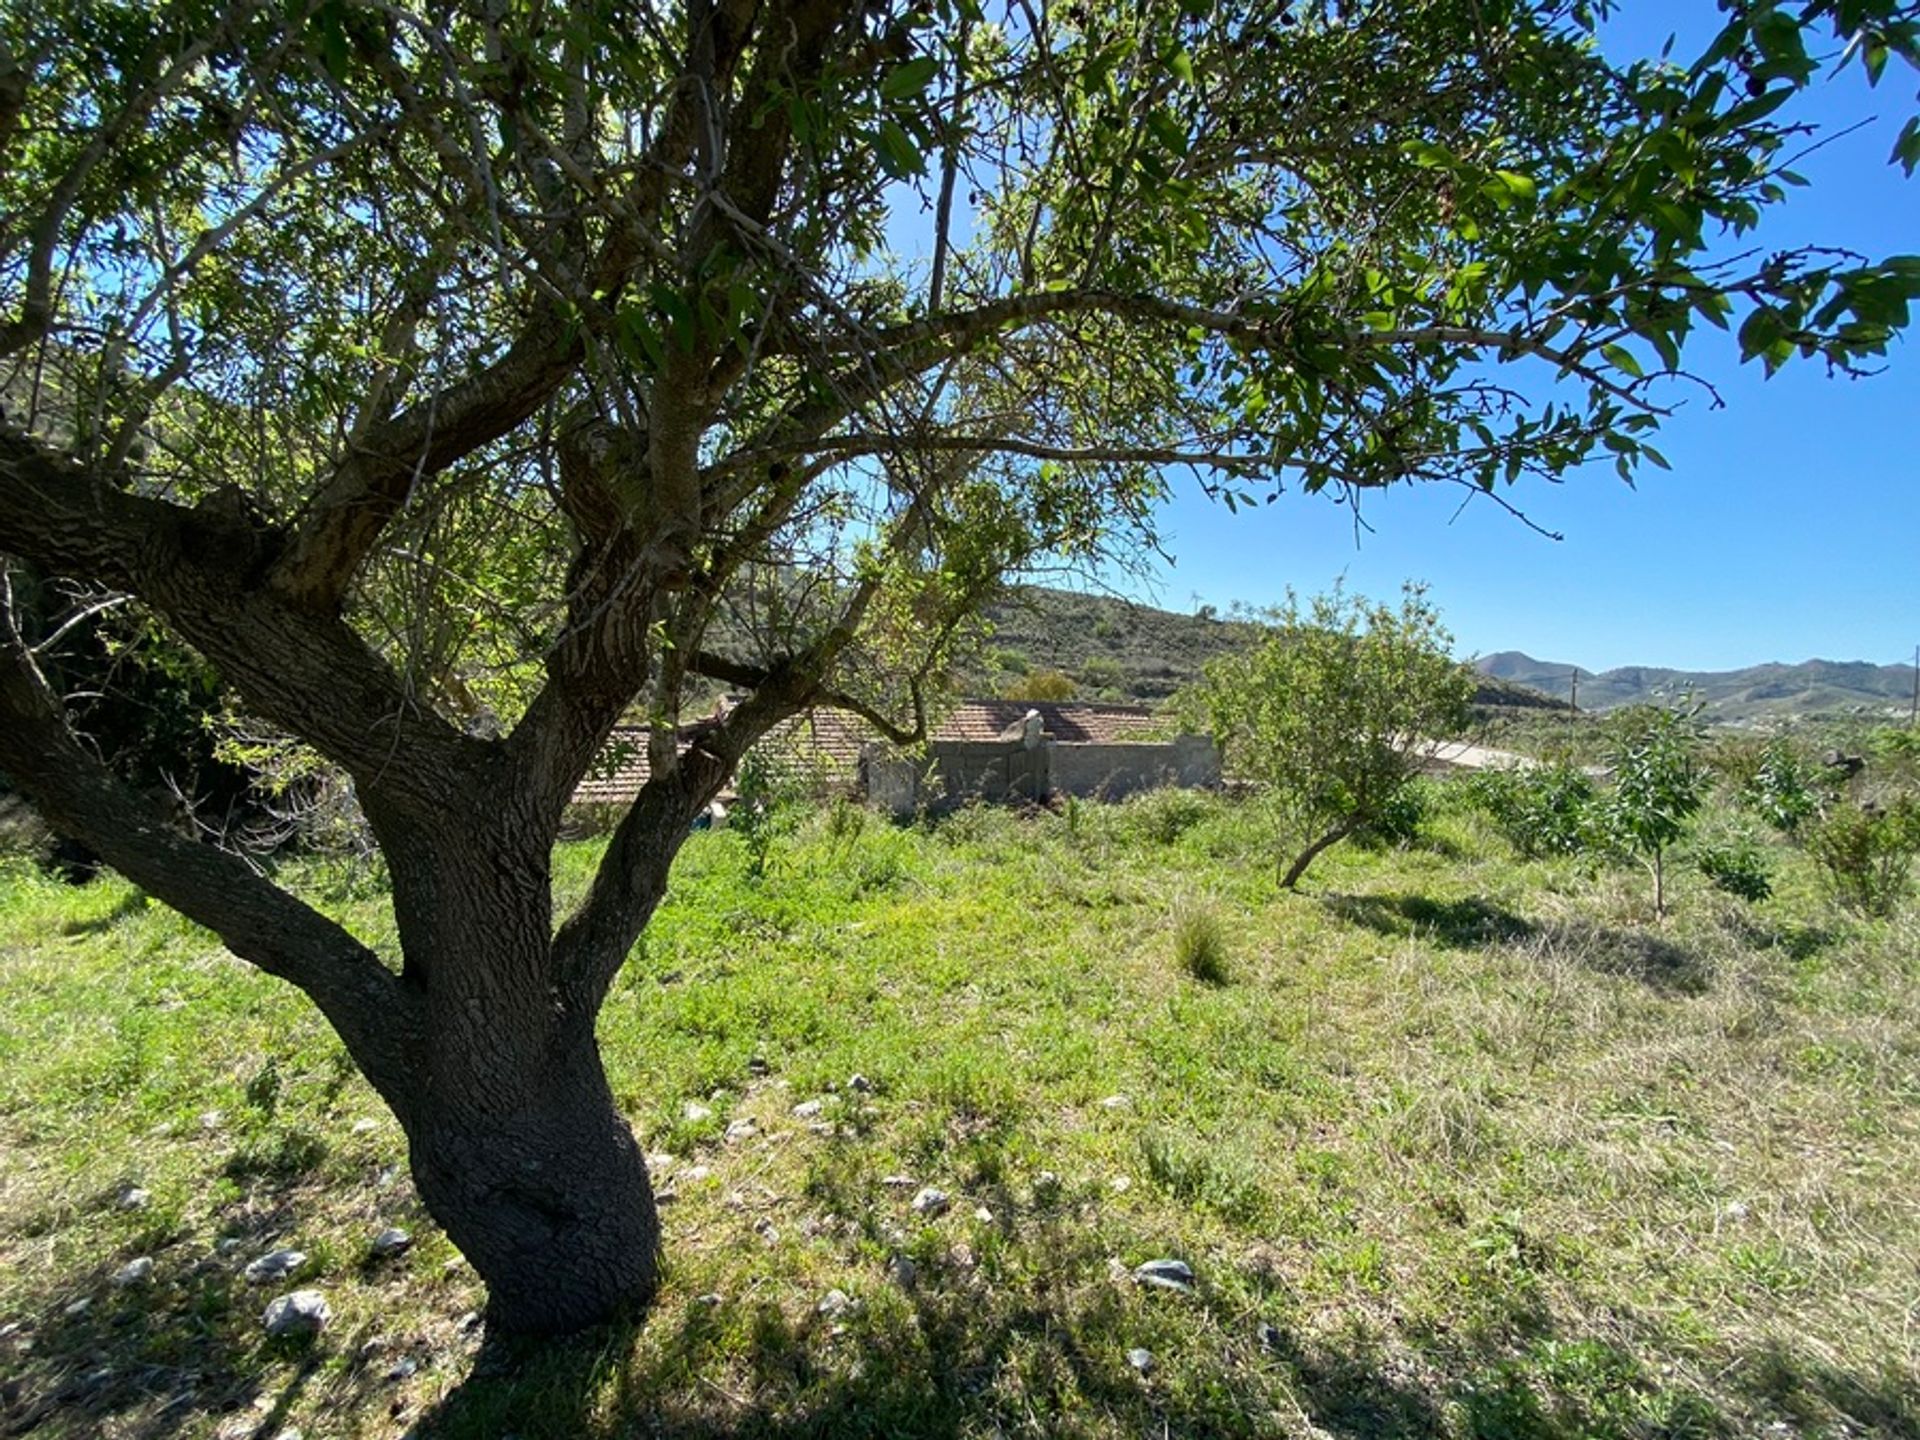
1331 710
1457 1147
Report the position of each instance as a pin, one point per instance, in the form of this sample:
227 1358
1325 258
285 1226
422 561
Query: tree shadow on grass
1469 924
1478 924
938 1367
151 1360
179 1352
928 1369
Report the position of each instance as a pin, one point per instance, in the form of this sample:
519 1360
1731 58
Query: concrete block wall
955 771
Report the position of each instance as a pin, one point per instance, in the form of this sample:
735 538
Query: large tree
454 378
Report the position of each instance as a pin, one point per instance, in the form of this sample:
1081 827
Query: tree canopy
454 378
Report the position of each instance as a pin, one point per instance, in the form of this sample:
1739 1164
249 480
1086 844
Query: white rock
860 1083
1165 1274
902 1271
1119 1184
78 1308
741 1130
807 1109
274 1265
1141 1360
303 1312
696 1174
932 1201
1115 1102
834 1302
365 1126
900 1182
135 1272
694 1112
403 1368
983 1215
659 1160
134 1198
390 1241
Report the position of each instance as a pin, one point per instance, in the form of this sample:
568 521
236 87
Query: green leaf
1180 66
1622 358
910 78
897 153
1521 187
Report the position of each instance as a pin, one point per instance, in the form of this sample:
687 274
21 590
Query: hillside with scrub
1063 1122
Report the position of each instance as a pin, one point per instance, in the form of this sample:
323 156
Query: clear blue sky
1789 527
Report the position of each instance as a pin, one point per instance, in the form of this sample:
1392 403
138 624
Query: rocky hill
1108 648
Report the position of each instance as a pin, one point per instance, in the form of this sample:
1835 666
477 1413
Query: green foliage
1785 787
1200 940
1659 782
1866 852
1040 685
1329 709
1399 817
1736 864
766 807
1162 815
1542 810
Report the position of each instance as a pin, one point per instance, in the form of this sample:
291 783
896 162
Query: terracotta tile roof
1069 721
827 743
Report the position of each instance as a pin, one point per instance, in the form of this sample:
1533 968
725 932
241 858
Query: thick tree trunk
517 1147
537 1178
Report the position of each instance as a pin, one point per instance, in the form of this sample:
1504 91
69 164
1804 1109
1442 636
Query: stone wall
1113 772
1000 771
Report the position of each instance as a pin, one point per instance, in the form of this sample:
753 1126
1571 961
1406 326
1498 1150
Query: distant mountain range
1813 686
1115 649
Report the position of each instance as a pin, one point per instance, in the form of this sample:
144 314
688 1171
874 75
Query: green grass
1456 1145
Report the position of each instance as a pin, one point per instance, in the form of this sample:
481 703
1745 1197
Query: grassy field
1455 1145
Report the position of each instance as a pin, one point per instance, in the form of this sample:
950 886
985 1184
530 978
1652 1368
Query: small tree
1331 708
1658 784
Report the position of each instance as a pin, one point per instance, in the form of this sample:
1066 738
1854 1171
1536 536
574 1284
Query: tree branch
259 922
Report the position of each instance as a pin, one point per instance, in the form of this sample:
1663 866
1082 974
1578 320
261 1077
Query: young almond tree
454 379
1333 711
1659 783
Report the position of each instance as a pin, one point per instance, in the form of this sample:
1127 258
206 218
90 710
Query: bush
1397 821
1784 788
1865 853
1547 810
1200 940
1735 864
1161 816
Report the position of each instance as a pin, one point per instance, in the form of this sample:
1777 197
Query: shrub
1161 816
1735 864
1200 940
1784 788
1397 821
1865 853
1547 810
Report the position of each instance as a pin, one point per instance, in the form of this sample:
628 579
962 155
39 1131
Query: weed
1200 940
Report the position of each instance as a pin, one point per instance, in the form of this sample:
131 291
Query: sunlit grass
1462 1146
